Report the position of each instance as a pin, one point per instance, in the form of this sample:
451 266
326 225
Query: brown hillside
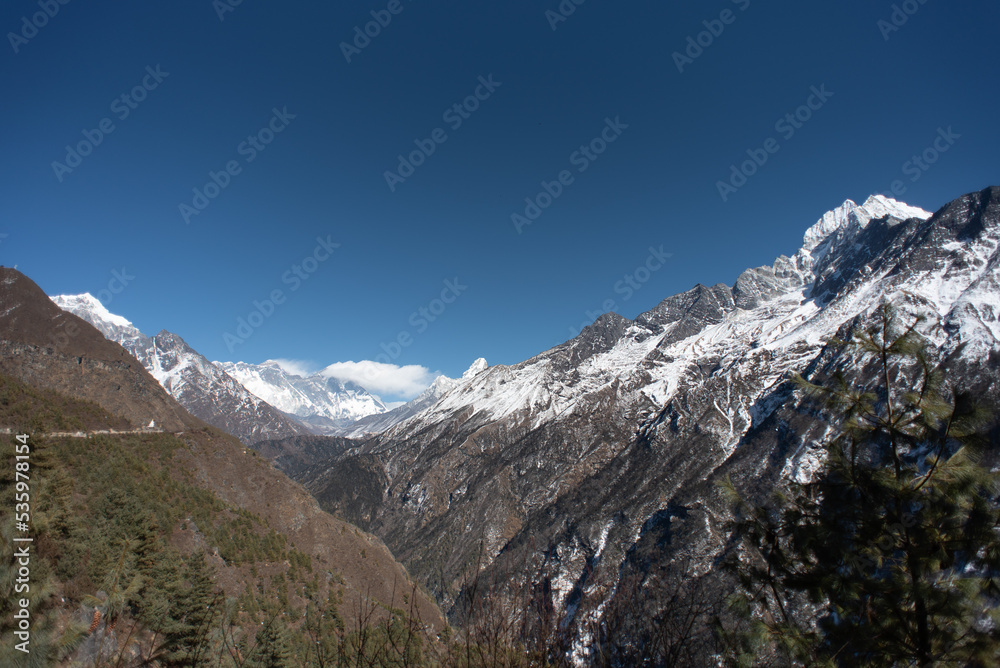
49 348
55 353
239 476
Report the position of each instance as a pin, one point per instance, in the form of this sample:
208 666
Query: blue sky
426 269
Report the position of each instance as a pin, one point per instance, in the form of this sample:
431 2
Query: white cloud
389 379
295 367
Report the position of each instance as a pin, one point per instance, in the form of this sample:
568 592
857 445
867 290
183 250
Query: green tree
273 647
194 607
890 556
121 588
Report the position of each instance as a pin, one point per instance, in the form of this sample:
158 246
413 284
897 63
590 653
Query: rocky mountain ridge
326 404
254 402
606 449
201 387
49 348
442 385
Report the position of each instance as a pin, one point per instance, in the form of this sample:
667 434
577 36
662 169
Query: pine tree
160 574
194 608
890 556
121 587
273 648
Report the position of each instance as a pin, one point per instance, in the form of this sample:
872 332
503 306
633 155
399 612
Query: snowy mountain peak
89 304
204 390
849 219
477 367
441 381
274 364
880 206
325 403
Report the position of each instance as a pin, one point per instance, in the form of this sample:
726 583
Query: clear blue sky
324 173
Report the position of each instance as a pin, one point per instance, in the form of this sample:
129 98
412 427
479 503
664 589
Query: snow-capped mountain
442 385
328 405
114 327
606 450
203 389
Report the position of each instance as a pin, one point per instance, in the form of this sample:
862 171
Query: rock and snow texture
605 449
328 405
254 402
789 304
203 389
442 385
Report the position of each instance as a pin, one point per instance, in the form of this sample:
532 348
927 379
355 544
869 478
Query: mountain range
254 402
324 403
601 457
204 389
603 454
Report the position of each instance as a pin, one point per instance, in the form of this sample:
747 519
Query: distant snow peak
477 367
440 382
325 401
202 388
86 302
291 367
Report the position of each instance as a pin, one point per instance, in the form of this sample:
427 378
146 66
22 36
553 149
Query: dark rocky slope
604 451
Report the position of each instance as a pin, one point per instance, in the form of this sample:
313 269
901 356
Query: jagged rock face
203 389
606 449
756 286
689 312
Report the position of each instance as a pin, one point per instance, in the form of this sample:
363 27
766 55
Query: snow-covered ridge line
849 213
87 302
600 448
312 397
789 319
204 390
